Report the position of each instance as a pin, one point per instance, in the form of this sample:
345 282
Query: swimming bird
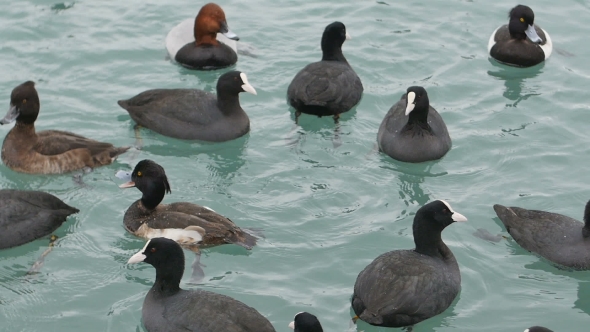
191 225
306 322
169 308
330 86
521 42
200 44
412 130
557 238
405 287
194 114
538 329
29 215
49 151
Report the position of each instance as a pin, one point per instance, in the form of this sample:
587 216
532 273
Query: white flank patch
191 235
246 86
184 33
139 256
548 47
410 99
456 215
492 42
527 330
208 208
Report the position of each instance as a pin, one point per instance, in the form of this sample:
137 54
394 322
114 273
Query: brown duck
191 225
49 151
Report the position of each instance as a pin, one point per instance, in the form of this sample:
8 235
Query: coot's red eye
153 250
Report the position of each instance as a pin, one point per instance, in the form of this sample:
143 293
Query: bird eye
139 173
24 101
522 20
445 210
153 250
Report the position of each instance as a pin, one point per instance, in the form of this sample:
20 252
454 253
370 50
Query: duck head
150 178
429 222
522 24
417 104
234 82
167 257
209 22
332 39
306 322
24 104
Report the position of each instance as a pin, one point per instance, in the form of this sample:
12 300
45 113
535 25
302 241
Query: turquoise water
519 138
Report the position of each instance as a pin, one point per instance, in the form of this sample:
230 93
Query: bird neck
332 51
153 195
419 115
228 102
168 278
334 55
428 240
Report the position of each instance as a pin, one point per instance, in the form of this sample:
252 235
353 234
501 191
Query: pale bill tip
459 217
229 34
129 184
139 256
348 37
246 86
292 325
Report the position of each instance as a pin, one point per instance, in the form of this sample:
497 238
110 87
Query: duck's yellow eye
139 173
522 20
24 101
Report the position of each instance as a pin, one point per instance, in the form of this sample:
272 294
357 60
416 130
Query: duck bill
459 217
228 33
411 102
532 34
12 114
129 184
246 86
139 256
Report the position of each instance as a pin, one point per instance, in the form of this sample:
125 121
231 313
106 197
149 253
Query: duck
29 215
306 322
50 151
555 237
413 131
538 329
328 87
191 225
194 114
167 307
404 287
203 43
520 43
